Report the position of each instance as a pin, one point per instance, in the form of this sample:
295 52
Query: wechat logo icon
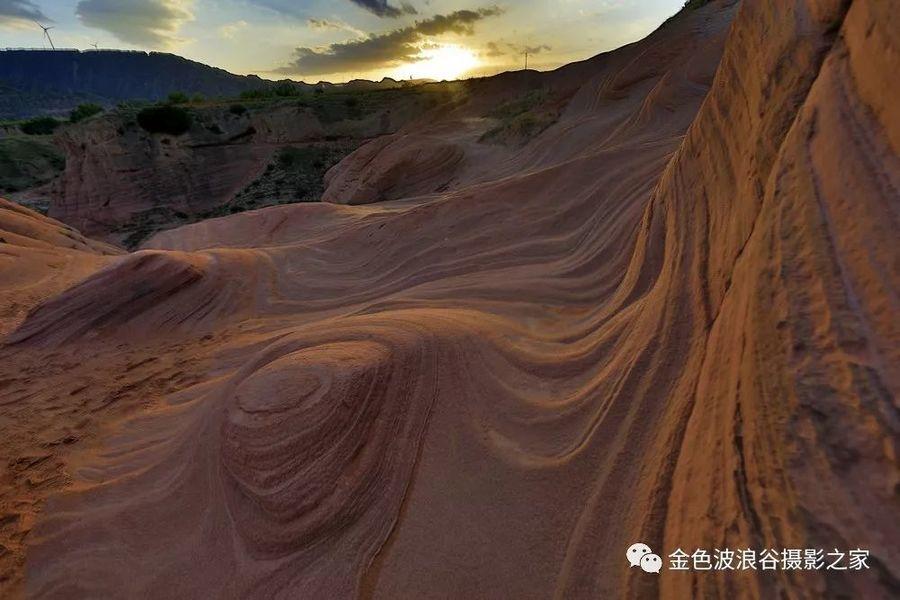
640 555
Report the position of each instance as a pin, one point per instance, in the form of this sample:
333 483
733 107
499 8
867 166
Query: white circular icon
651 563
636 552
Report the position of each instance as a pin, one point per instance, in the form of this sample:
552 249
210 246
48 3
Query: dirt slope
669 317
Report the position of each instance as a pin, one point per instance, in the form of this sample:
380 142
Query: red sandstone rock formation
671 317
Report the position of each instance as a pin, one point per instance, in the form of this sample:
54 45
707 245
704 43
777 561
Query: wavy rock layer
671 317
393 167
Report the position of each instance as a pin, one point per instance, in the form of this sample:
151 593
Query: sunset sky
337 40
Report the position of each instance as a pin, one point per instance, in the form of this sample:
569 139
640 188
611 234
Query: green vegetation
297 174
283 89
130 105
519 129
40 126
513 108
168 119
178 98
145 223
28 162
83 111
336 104
521 119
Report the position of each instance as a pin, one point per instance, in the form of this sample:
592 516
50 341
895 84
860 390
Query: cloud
383 9
287 8
21 10
153 23
300 10
335 25
229 30
461 21
383 50
531 49
323 24
495 49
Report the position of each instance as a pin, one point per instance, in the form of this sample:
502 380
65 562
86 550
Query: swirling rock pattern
671 317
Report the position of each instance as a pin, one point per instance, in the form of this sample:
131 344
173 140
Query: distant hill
16 103
41 81
384 84
52 82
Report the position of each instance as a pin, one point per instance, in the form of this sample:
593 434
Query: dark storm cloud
140 22
385 49
383 9
20 10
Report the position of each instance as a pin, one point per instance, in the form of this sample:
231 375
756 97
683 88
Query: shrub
28 162
286 90
254 94
83 111
169 119
127 105
178 98
513 108
40 126
237 109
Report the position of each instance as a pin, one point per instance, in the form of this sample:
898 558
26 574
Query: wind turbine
47 34
94 45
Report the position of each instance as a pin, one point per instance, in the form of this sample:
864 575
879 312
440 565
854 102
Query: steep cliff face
792 435
669 318
116 172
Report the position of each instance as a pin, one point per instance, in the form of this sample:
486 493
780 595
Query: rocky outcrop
40 257
121 181
399 166
116 171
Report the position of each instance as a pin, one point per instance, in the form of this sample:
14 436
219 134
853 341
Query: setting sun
441 62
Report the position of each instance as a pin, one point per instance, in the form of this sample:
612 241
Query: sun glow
440 62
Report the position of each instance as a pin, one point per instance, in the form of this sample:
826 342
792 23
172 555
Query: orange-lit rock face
668 318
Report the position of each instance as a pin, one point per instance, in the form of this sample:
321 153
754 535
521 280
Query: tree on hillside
83 111
178 98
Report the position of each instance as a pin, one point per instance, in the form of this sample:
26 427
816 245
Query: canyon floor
654 296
